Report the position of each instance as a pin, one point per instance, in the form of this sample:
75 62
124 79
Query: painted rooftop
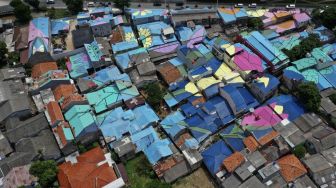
330 49
108 96
233 137
289 41
266 84
128 39
191 36
150 34
78 65
147 13
229 15
124 60
214 156
59 25
283 26
39 27
117 122
173 124
80 117
93 51
286 104
38 45
324 34
180 91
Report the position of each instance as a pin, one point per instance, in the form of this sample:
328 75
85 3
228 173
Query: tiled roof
267 138
42 68
86 173
233 161
165 165
54 112
64 90
291 168
71 99
169 73
251 143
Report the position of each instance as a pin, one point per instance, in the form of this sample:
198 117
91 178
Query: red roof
251 143
42 68
291 168
64 90
86 173
71 99
54 112
233 161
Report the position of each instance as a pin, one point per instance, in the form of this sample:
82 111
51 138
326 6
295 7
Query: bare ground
198 179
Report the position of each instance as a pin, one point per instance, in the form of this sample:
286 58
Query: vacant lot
198 179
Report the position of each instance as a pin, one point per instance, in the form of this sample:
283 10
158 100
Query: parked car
252 5
290 6
239 5
50 2
91 4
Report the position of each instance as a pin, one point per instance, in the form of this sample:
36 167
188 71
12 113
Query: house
79 65
256 159
101 26
12 73
269 171
104 46
232 162
206 17
96 56
59 26
93 168
231 181
42 99
127 61
83 122
63 134
252 181
171 168
14 101
264 87
143 74
328 106
290 132
308 121
321 139
245 170
41 68
141 16
63 91
190 35
169 72
320 170
6 148
124 148
18 176
287 104
54 113
194 56
75 99
233 137
123 39
213 158
329 155
81 36
39 35
193 157
230 15
39 57
291 168
50 79
304 181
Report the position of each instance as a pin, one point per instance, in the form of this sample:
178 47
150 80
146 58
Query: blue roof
290 104
117 122
191 143
272 82
108 75
158 150
78 65
59 25
234 137
173 123
146 13
123 46
144 138
123 60
214 156
293 75
329 74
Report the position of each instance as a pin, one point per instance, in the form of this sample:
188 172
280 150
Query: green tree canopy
122 4
3 52
45 171
15 3
333 98
74 6
305 46
309 95
255 23
326 16
299 151
22 12
155 94
34 3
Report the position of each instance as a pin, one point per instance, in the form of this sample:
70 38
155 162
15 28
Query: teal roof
68 134
80 117
94 52
304 63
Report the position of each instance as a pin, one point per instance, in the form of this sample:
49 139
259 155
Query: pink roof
284 26
247 61
263 116
301 17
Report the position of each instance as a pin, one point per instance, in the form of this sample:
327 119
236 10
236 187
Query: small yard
198 179
58 13
141 175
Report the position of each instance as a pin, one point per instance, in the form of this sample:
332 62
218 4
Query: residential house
129 60
41 68
169 72
308 121
14 101
206 17
12 73
96 56
252 181
81 36
63 134
291 168
83 123
290 132
269 171
54 113
63 91
42 99
230 15
93 168
18 176
39 35
190 35
50 79
303 182
141 16
123 40
264 87
6 148
144 73
171 168
321 171
124 148
101 26
321 139
329 155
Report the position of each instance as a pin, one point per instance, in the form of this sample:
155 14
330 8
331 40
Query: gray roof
13 98
139 58
320 169
139 80
323 138
252 182
28 128
277 182
123 147
6 9
304 182
39 57
256 159
245 170
146 69
5 147
330 155
327 105
44 142
269 170
105 45
14 160
12 73
307 121
271 153
193 14
231 181
82 36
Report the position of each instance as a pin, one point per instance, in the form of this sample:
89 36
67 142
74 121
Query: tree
333 98
309 95
34 3
326 16
74 6
15 3
255 23
45 171
121 4
299 151
51 13
22 13
3 52
155 94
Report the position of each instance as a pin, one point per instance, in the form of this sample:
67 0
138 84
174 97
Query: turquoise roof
94 52
80 117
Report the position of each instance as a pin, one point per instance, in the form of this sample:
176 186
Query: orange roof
233 161
42 68
291 168
86 173
64 90
251 144
165 165
54 112
267 138
169 73
59 130
72 98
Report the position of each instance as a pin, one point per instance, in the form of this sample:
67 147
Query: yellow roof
191 88
225 73
206 82
237 79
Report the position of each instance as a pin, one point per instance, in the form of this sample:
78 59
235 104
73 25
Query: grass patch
141 175
58 13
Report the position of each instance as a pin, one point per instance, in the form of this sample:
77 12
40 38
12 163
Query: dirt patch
198 179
